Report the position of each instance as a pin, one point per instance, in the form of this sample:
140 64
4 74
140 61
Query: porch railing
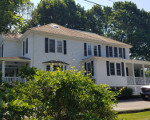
12 79
138 80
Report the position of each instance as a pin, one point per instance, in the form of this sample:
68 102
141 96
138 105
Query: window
89 50
48 68
25 47
55 67
112 69
110 52
115 52
120 52
59 46
88 68
118 67
52 45
95 50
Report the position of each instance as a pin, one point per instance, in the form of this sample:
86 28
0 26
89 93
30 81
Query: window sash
95 50
52 45
112 69
120 52
88 68
59 46
110 52
48 68
115 52
89 50
118 68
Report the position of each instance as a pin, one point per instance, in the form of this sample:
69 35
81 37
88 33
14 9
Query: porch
138 74
10 66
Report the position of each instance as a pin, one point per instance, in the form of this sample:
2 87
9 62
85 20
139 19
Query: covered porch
138 74
9 67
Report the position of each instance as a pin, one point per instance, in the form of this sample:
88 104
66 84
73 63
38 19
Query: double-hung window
118 68
112 68
59 46
52 45
115 52
110 52
120 52
89 50
95 50
25 47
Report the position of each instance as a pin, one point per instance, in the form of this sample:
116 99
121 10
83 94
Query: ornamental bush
59 95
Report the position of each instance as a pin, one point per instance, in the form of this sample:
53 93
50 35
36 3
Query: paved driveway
133 104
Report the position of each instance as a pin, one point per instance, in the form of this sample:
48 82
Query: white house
107 60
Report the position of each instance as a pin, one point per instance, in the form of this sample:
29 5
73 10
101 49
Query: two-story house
49 46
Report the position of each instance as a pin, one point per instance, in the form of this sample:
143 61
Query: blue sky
145 4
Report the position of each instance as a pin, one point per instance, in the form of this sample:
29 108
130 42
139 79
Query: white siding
11 49
102 78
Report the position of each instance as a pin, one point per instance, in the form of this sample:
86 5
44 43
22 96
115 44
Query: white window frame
61 47
89 50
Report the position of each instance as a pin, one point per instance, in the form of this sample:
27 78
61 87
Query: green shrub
1 78
27 72
125 92
59 95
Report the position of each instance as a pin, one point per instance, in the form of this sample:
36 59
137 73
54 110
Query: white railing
12 79
138 80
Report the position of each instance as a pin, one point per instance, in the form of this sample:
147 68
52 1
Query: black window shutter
23 47
124 53
107 51
107 66
85 49
127 71
27 45
123 73
2 50
46 45
85 68
65 47
99 50
92 67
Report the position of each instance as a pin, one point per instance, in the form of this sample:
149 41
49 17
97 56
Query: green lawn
135 116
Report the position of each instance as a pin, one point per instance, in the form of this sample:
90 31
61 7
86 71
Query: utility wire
94 3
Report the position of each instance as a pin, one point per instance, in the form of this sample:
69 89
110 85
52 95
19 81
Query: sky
141 4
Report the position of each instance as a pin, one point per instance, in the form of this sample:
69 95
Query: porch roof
15 59
56 61
117 60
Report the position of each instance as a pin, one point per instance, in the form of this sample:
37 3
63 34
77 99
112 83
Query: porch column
144 74
3 68
133 74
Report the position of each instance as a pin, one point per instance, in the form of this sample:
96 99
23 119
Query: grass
135 116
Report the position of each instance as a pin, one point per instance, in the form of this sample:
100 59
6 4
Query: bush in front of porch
60 95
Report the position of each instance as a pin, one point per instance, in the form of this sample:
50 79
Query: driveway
132 104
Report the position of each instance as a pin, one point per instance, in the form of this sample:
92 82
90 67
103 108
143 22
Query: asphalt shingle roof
60 30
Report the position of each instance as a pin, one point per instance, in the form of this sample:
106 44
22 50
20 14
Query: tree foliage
9 13
123 22
131 25
27 72
59 95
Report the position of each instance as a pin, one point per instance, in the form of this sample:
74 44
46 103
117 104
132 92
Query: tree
9 14
60 95
131 25
62 12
